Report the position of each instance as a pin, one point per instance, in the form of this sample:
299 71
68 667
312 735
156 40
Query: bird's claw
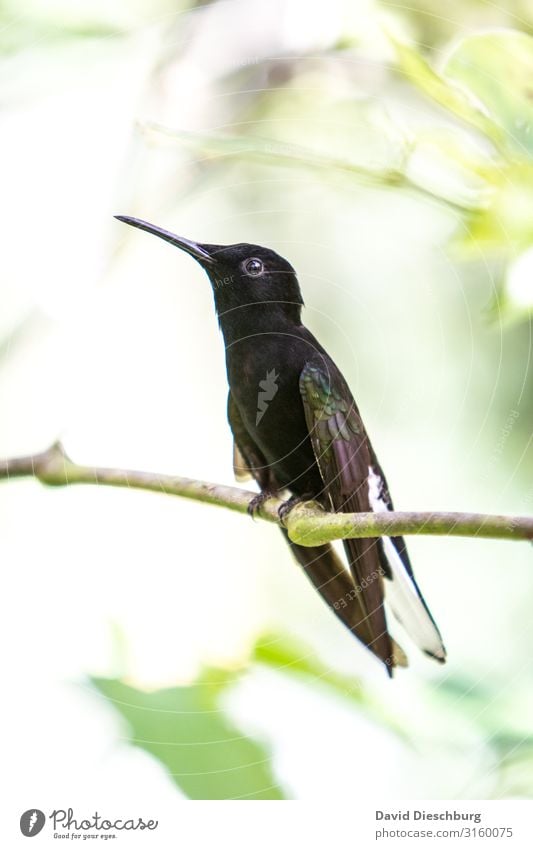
288 505
257 502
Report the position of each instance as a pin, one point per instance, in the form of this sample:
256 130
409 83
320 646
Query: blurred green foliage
191 732
486 82
480 164
431 28
186 729
49 24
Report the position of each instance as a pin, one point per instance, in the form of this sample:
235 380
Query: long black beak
193 248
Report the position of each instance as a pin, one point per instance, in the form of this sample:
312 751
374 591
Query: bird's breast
264 379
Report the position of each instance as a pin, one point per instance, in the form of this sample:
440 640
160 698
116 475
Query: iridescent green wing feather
342 453
337 434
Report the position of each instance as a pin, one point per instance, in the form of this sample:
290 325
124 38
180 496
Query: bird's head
242 276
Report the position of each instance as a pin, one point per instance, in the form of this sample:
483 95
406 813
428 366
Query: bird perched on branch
297 428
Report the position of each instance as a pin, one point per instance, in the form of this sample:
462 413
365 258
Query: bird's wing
342 452
248 461
355 482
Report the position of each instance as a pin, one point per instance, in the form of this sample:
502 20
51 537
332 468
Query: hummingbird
297 430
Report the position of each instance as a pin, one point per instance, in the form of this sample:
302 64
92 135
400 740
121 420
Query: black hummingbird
297 428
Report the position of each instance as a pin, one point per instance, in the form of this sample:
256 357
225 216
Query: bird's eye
253 267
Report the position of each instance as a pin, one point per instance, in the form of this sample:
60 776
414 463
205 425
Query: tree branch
307 524
271 150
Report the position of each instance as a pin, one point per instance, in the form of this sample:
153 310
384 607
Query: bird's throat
243 321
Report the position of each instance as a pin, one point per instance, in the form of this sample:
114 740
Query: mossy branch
307 524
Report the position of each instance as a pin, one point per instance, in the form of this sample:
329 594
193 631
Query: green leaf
496 67
507 224
444 91
293 659
188 732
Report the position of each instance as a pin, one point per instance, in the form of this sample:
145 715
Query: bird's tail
334 583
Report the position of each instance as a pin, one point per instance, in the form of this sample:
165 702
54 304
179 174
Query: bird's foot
257 502
288 505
